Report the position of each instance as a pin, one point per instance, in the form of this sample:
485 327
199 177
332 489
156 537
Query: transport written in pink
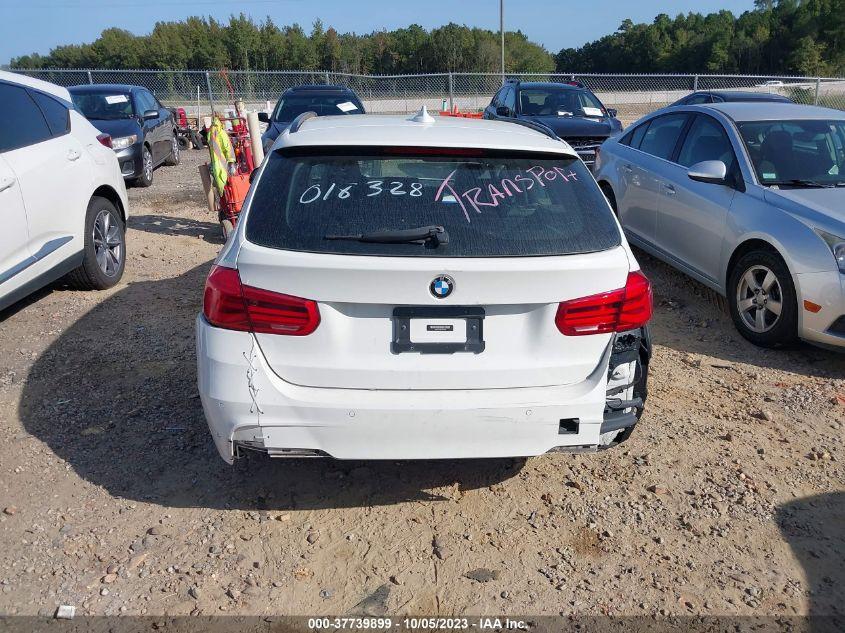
508 187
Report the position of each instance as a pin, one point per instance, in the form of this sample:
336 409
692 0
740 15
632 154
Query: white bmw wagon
421 288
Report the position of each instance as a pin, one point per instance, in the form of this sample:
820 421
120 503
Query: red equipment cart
237 185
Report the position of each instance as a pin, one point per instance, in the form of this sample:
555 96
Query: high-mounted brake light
230 305
616 311
105 139
433 151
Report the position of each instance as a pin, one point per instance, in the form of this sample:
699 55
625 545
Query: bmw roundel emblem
442 286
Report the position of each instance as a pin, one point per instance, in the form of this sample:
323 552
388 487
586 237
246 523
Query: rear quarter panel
105 169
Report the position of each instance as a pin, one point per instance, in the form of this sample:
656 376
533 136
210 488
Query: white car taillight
620 310
230 305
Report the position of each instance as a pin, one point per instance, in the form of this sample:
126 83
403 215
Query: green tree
299 52
117 48
329 51
776 37
808 57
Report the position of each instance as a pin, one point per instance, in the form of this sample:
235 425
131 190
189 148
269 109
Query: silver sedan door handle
628 168
72 154
669 189
6 183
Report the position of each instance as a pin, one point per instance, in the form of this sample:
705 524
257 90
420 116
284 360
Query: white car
61 194
422 288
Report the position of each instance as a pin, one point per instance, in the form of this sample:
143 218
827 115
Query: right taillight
228 304
105 139
616 311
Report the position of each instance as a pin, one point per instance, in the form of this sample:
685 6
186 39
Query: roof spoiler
537 127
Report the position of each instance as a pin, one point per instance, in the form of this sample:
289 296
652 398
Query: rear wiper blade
435 234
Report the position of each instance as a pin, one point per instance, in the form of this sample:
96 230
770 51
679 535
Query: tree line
201 43
804 37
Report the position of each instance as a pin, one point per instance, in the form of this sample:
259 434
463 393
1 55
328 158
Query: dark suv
325 100
569 109
142 130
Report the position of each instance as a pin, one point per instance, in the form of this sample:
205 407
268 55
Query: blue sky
37 25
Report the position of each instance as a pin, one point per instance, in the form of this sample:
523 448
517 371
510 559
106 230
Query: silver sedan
747 198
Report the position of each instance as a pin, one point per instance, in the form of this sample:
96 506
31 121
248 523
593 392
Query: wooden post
210 192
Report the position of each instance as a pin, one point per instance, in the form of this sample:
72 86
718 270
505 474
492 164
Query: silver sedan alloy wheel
108 247
759 299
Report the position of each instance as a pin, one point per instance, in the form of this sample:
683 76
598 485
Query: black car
142 130
322 99
720 96
569 109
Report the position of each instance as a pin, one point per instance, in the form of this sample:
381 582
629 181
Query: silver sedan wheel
759 299
174 149
108 246
148 165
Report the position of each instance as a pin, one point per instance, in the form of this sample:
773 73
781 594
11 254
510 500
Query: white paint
410 405
386 130
45 189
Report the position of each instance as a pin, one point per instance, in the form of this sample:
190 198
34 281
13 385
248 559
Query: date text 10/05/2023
474 198
417 623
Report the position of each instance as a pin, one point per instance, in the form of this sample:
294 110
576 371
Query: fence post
818 85
327 78
451 92
210 94
90 78
695 84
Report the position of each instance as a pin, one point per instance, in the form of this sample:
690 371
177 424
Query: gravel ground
729 499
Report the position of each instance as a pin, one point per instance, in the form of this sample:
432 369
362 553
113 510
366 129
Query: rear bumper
826 289
247 406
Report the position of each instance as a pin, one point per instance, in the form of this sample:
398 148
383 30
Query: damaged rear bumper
627 385
248 406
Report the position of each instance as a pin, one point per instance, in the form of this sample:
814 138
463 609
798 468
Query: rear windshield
103 106
490 206
290 107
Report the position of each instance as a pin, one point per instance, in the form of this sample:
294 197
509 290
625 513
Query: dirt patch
728 499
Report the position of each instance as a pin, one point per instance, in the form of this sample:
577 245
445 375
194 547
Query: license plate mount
434 320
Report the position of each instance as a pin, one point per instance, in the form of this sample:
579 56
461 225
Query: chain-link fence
631 95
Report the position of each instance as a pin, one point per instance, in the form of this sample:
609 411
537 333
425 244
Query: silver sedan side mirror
711 171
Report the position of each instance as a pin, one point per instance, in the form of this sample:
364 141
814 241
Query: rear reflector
230 305
105 139
616 311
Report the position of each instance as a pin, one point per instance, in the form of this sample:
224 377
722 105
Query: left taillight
105 139
619 310
230 305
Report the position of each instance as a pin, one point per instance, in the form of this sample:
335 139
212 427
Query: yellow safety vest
222 153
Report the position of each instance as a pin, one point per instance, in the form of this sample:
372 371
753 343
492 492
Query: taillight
230 305
105 139
616 311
